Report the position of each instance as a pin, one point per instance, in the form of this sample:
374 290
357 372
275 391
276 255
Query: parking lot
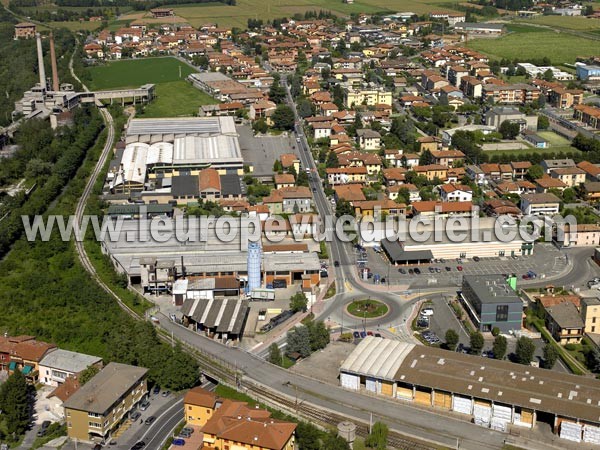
261 152
546 261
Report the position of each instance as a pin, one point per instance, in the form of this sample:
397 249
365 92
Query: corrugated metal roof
377 358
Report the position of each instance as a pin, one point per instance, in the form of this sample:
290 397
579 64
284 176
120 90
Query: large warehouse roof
227 315
209 149
500 381
379 358
169 129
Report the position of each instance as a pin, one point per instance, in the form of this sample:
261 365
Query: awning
12 365
27 369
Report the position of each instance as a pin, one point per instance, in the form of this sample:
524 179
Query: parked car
402 271
166 393
156 389
526 276
356 335
431 269
144 405
138 445
369 333
150 420
442 260
448 269
178 442
438 270
411 271
378 335
476 258
459 268
97 447
363 334
135 415
186 432
417 271
336 264
42 431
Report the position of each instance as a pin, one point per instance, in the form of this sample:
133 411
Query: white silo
254 260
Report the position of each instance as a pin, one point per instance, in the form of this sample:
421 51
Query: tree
319 335
277 167
334 442
332 161
344 208
260 126
535 172
302 179
593 360
275 354
476 341
548 75
298 302
304 107
377 438
509 130
15 404
283 117
550 356
568 195
495 331
277 92
499 347
298 341
426 158
524 351
451 339
87 374
307 436
543 123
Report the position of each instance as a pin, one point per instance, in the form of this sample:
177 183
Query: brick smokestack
40 55
55 86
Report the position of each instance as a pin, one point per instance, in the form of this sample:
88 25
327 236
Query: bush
495 331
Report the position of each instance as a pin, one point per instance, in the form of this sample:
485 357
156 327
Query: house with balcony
368 139
99 407
564 323
545 204
23 353
60 364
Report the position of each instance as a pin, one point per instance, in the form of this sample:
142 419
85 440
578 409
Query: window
501 313
593 320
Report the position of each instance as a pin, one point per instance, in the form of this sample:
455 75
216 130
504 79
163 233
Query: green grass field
572 23
554 139
135 72
177 98
559 47
75 25
238 15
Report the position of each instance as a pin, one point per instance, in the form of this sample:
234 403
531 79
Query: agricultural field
559 47
177 98
135 72
238 15
571 23
76 25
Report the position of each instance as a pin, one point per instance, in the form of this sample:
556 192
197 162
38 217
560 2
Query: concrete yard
261 152
324 365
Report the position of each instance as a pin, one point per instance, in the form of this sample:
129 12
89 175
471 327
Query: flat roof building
491 302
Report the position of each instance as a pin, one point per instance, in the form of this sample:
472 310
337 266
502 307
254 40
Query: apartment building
590 115
60 364
99 407
545 204
369 97
510 93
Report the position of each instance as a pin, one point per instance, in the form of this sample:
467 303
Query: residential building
451 18
455 192
552 164
25 30
590 312
284 180
592 171
546 184
591 191
447 157
199 405
59 364
368 139
432 171
545 204
344 175
296 199
497 115
584 235
289 160
23 353
101 405
590 115
491 302
564 323
510 94
369 97
442 209
455 74
476 29
571 176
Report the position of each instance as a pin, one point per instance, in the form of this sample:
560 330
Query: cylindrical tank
347 430
254 261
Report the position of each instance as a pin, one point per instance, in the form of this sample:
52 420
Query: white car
427 312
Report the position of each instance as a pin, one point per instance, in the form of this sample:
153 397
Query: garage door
387 388
371 384
404 393
462 405
423 398
350 381
442 399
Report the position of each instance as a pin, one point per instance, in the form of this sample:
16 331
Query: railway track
330 419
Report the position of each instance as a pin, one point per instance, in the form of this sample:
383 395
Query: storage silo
347 430
254 261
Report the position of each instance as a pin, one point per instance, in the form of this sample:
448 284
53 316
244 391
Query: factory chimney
40 54
55 86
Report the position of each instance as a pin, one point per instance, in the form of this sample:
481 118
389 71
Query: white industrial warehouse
494 394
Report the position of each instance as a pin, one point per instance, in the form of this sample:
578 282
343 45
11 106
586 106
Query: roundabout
367 309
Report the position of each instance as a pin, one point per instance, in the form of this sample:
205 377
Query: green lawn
554 139
76 25
559 47
135 72
177 98
572 23
367 308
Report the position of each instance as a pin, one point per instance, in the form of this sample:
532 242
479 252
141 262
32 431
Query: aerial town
249 224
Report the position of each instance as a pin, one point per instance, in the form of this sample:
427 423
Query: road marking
177 403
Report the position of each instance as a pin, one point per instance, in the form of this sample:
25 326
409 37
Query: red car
459 268
369 333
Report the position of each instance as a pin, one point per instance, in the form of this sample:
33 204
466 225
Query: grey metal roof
565 314
230 184
222 315
200 125
491 289
185 185
377 358
69 361
291 261
397 253
104 390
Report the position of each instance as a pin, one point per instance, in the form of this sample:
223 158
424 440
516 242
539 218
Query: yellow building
199 406
99 407
232 425
590 311
369 97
